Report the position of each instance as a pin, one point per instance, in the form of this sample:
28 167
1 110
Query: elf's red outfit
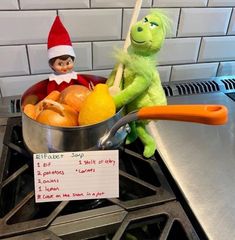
62 81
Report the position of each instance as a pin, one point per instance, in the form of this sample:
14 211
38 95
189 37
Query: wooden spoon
118 77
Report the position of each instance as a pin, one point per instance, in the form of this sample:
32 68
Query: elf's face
63 66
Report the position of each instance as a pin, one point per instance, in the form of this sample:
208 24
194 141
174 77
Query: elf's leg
146 139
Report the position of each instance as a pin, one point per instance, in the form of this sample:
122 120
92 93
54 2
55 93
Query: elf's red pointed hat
59 42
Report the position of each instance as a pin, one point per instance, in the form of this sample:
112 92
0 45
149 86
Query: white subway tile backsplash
217 49
179 50
204 22
19 27
103 54
173 14
101 73
226 69
179 3
13 60
119 3
8 4
83 56
194 71
164 72
39 60
53 4
231 29
221 3
93 24
200 45
11 86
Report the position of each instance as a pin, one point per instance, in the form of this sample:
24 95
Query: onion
74 96
56 114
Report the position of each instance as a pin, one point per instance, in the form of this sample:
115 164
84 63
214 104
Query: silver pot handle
113 136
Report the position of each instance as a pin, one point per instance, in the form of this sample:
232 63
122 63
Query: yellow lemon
98 106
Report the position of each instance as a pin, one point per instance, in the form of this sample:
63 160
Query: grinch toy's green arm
127 95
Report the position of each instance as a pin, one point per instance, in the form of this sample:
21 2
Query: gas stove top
147 208
160 198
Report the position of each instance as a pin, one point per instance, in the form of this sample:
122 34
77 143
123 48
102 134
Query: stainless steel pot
109 134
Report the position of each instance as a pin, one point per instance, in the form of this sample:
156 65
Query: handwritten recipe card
76 175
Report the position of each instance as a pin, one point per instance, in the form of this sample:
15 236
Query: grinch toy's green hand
127 95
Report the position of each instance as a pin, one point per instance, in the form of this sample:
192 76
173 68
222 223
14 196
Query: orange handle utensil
207 114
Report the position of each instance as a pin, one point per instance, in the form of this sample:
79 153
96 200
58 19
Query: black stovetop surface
147 208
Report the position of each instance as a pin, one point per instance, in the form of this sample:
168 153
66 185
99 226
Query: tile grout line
199 50
28 59
230 19
219 64
171 70
108 69
178 24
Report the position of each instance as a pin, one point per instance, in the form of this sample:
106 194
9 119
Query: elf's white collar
59 78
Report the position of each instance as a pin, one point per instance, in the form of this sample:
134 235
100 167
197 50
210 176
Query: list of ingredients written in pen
76 175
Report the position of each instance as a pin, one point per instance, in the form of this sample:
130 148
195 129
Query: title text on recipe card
76 175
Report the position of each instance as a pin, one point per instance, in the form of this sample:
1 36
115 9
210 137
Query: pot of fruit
79 119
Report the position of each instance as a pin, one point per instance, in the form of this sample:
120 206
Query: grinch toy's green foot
149 149
146 139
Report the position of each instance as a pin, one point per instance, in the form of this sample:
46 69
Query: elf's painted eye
69 62
153 25
61 64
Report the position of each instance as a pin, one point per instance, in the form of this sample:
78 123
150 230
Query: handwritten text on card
76 175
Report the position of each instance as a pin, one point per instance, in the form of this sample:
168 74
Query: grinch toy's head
148 35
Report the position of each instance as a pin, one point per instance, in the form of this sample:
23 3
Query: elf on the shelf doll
61 59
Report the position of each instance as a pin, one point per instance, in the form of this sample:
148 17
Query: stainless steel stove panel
201 160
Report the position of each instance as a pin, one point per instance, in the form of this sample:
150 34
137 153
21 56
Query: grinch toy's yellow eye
145 20
153 25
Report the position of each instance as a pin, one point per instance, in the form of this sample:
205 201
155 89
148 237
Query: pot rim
71 128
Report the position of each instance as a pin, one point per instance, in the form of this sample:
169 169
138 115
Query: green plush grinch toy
141 84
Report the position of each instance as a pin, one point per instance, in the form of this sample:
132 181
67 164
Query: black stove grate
142 184
163 222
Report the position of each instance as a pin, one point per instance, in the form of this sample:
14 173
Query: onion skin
60 117
74 96
54 96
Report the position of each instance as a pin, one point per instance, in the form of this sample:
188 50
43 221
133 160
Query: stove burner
142 185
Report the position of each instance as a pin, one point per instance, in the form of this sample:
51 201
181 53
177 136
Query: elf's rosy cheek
70 67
